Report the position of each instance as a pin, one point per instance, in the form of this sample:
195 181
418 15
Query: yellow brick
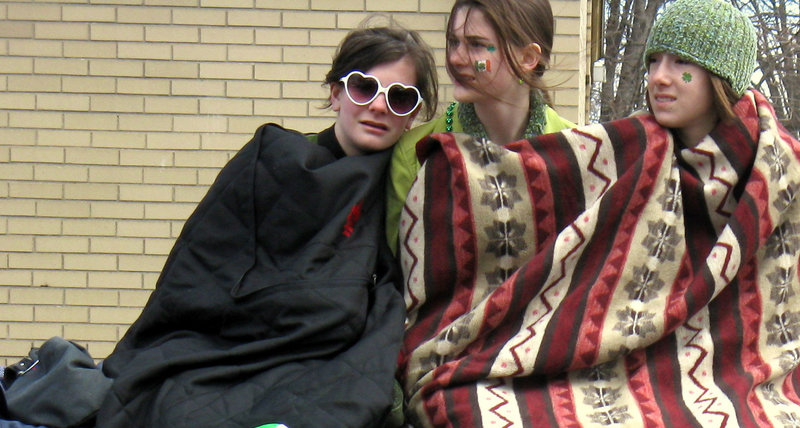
18 207
227 3
171 140
33 226
90 191
147 263
423 22
159 246
172 105
34 12
115 32
177 69
116 67
20 47
71 173
145 122
97 85
102 315
190 193
304 90
254 54
281 72
59 278
61 30
16 313
169 211
118 280
35 190
226 106
248 124
34 331
144 50
92 227
308 55
199 52
93 13
143 86
200 123
15 348
230 142
143 229
17 101
280 108
91 297
91 156
337 5
13 277
303 124
65 137
251 18
117 245
118 103
101 174
78 209
119 139
90 332
16 243
281 37
61 314
85 49
90 261
171 33
90 121
35 119
16 172
280 4
34 83
117 210
196 87
133 298
151 157
326 37
22 30
212 70
392 5
145 192
198 16
61 244
310 19
201 159
61 102
20 137
146 15
36 296
37 154
170 176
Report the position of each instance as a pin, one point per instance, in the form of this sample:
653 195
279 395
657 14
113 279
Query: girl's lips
375 125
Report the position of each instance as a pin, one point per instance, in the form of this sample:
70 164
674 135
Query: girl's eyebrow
476 38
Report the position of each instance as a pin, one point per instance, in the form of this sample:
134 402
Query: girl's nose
379 104
658 73
457 56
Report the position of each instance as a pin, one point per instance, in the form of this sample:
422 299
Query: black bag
57 385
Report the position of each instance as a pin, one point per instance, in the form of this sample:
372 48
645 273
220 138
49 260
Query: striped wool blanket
605 276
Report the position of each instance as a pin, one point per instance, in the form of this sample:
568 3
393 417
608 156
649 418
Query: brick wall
116 115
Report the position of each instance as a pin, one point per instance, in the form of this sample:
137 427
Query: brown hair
367 47
517 23
723 98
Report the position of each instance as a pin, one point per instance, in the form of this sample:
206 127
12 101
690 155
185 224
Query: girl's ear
336 92
529 56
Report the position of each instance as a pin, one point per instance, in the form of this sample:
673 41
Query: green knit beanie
710 33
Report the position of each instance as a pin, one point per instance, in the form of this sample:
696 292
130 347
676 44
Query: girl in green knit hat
699 56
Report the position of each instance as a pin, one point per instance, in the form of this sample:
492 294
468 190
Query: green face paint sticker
687 77
491 48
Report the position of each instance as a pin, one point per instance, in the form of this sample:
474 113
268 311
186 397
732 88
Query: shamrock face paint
491 48
687 77
483 65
